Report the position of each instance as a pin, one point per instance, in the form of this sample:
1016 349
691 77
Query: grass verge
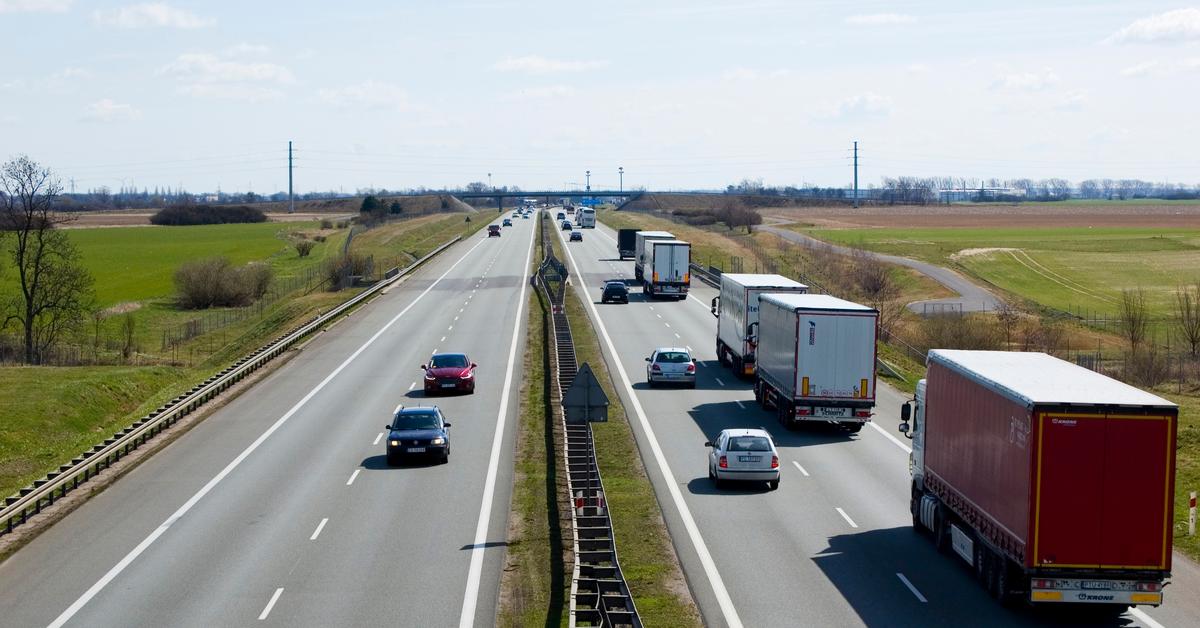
534 585
647 557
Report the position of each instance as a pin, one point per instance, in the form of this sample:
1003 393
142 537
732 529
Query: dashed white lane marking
352 476
911 587
443 339
456 318
740 404
412 385
689 348
846 517
1144 618
320 526
658 315
800 468
271 604
891 438
451 328
677 334
378 438
719 381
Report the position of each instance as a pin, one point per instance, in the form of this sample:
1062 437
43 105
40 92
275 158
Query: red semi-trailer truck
1053 482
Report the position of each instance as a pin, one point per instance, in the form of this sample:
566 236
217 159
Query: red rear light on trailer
723 462
1149 586
862 413
802 411
1042 584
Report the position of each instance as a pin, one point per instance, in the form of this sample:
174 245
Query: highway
279 508
833 546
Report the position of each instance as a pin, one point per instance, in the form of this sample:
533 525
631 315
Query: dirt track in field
94 220
982 216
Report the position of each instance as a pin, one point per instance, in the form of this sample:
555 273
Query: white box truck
736 310
816 359
639 248
668 269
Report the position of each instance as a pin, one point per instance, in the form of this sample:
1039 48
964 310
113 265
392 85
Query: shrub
304 247
395 208
216 282
326 224
184 214
337 270
319 238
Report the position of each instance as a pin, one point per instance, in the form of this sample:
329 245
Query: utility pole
856 174
291 197
72 185
621 173
490 183
588 174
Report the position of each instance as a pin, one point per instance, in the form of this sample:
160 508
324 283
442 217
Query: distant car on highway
525 216
566 225
576 236
615 291
743 455
449 372
507 222
671 365
494 230
418 432
560 216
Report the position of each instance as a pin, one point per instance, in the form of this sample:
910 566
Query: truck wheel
759 396
941 530
1001 581
722 359
784 409
914 506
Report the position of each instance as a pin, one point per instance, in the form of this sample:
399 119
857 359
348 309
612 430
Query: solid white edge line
378 438
1141 616
689 523
320 526
740 404
911 588
800 468
271 604
353 476
471 596
890 437
116 570
719 381
846 517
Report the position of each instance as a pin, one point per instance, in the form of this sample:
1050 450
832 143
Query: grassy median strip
644 547
535 582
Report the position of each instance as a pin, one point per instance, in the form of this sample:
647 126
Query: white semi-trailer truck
816 359
668 269
639 248
736 310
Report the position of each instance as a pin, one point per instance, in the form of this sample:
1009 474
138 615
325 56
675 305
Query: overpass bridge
547 195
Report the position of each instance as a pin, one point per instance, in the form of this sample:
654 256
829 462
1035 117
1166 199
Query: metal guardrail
599 593
30 500
710 275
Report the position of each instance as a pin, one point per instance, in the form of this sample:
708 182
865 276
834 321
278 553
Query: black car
561 216
418 433
566 225
494 230
576 236
615 291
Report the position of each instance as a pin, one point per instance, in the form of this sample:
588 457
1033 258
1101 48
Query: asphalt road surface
971 296
280 509
833 546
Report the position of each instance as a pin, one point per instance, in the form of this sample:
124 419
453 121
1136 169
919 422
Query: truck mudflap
1097 591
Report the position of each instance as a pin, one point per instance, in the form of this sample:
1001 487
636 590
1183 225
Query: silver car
671 365
744 455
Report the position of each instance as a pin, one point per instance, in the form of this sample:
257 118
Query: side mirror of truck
905 412
715 302
904 429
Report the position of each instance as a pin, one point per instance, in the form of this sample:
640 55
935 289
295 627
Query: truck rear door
836 355
1104 484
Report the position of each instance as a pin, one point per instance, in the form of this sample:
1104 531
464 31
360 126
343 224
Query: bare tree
1008 317
1187 315
1134 317
54 290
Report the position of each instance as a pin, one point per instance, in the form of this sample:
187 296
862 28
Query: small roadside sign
585 400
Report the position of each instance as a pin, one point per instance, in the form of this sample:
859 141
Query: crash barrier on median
599 593
710 275
43 493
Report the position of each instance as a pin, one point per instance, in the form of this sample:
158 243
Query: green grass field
1064 268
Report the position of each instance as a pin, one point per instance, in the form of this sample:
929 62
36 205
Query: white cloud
210 68
1143 69
1177 25
751 74
34 6
534 64
108 110
232 91
150 15
864 105
70 73
880 19
918 68
541 93
369 94
1074 100
246 49
1028 81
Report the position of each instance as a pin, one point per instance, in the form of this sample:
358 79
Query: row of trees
926 190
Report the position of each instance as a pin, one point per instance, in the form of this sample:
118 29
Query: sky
681 94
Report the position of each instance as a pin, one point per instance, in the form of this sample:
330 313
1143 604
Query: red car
449 372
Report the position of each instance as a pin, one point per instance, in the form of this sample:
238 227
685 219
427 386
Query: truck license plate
670 289
1094 584
833 412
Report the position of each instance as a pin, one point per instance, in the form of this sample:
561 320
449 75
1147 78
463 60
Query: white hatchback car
671 365
745 455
